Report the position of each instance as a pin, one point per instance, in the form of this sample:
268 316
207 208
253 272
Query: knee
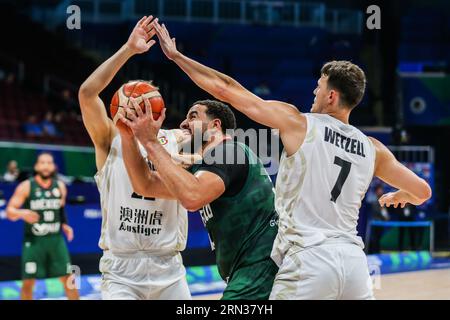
66 281
28 285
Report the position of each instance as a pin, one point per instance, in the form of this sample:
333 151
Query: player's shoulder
227 153
24 186
378 145
60 183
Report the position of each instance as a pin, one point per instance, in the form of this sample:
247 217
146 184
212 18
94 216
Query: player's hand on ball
68 231
144 127
30 216
168 45
393 199
140 38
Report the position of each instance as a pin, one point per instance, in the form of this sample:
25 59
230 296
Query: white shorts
329 271
143 276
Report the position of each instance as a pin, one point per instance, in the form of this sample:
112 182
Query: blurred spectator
10 79
32 128
12 171
63 102
407 214
262 89
8 82
377 213
68 103
48 126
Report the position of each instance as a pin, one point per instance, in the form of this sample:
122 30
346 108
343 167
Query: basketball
140 90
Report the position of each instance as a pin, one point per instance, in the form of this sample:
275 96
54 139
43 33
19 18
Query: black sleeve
63 214
230 163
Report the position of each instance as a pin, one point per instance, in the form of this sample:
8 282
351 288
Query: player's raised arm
13 209
412 189
274 114
99 126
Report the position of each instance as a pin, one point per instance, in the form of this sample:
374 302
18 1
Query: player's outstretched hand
68 231
394 199
144 127
30 217
140 39
168 45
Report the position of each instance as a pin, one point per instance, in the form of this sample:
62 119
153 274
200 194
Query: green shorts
45 257
253 282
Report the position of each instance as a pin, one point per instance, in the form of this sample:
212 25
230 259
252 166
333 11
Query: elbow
192 202
191 206
10 215
85 92
425 192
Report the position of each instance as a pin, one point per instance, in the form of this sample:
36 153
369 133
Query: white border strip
50 147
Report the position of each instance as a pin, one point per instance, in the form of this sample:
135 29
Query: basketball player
325 169
230 187
141 237
39 201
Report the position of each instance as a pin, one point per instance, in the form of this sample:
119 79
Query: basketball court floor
417 285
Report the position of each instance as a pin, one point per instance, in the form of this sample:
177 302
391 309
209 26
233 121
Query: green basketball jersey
242 228
47 203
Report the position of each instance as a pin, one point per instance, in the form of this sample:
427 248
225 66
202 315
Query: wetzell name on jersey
45 204
140 221
349 145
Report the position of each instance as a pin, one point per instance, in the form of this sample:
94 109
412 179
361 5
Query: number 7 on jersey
343 174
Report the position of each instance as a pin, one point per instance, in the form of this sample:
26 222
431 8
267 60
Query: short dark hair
348 79
44 153
219 110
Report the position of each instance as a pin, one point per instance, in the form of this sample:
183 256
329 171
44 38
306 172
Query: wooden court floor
419 285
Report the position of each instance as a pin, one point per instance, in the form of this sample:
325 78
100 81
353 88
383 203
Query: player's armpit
209 187
391 171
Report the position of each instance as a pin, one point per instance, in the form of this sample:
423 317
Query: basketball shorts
252 282
330 271
45 257
143 276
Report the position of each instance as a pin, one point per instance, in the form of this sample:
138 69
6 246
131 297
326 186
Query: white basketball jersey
133 223
319 188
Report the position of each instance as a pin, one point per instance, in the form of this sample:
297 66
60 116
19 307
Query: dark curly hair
346 78
219 110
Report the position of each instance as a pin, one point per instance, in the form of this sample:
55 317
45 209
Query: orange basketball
140 90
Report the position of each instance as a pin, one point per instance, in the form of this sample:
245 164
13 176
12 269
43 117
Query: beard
45 176
197 140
